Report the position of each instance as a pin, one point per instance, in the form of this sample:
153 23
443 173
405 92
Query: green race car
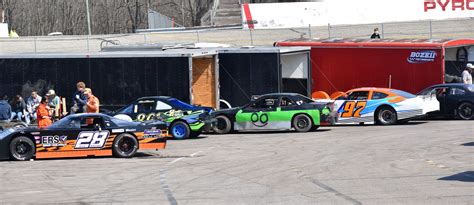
278 111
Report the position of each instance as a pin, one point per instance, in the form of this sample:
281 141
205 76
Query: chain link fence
457 28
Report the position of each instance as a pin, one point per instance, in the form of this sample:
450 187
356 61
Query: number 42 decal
91 139
353 108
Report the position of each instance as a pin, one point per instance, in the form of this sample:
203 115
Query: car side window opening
456 91
145 106
162 106
267 103
92 122
358 95
378 95
286 102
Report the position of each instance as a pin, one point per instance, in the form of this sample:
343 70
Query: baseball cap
469 65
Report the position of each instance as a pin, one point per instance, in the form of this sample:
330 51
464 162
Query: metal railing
456 28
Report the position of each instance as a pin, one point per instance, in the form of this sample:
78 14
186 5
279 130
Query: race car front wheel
22 148
223 125
466 111
386 116
125 146
302 123
180 130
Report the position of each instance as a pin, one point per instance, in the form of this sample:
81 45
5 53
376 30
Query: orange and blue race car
82 135
383 106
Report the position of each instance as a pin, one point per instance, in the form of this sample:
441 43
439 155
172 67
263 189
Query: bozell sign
422 56
447 5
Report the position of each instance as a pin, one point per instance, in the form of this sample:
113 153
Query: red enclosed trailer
407 64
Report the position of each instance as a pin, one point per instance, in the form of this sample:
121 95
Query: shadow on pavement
468 144
462 177
374 125
191 138
280 132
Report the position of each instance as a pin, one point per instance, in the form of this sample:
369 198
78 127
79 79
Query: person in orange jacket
43 114
93 103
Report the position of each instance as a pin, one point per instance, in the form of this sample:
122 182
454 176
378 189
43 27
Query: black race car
278 111
184 120
82 135
456 100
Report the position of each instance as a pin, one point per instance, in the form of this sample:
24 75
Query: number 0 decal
94 139
353 109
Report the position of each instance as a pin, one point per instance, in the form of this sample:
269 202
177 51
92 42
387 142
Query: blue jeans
19 116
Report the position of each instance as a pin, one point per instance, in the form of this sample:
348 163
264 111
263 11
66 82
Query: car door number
91 139
353 108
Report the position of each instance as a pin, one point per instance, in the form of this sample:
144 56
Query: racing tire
125 146
22 148
386 116
302 123
194 134
223 125
180 130
465 111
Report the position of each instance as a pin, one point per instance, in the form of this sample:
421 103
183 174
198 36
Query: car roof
156 98
450 85
88 115
280 94
371 89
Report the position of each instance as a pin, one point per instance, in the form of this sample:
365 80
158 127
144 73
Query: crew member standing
375 34
79 100
92 104
467 74
44 119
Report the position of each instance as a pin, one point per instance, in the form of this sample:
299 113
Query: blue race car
184 120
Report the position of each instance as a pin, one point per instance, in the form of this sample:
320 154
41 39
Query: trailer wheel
466 111
386 116
223 125
22 148
302 123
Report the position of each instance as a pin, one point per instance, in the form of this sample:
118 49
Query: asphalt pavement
417 163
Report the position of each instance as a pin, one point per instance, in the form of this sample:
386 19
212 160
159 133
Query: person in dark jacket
19 109
79 100
5 110
375 34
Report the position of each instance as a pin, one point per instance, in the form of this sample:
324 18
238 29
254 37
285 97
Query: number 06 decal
353 109
91 139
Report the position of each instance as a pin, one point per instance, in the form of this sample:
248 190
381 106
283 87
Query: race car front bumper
209 125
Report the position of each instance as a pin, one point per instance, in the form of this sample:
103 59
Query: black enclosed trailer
117 78
245 72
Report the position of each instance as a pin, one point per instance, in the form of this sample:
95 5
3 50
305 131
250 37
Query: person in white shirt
466 74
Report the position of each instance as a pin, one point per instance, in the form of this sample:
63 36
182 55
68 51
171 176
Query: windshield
65 123
403 94
122 123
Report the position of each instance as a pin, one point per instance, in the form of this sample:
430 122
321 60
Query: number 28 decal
91 139
353 108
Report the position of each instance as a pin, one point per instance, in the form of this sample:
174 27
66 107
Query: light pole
88 18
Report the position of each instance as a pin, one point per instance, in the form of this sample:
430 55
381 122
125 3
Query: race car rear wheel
180 130
125 146
22 148
302 123
466 111
386 116
223 125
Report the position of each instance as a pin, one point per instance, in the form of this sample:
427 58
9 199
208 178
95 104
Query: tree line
40 17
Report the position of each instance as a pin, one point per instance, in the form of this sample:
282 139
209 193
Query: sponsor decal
131 130
422 57
259 120
91 139
153 133
53 141
118 130
448 5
